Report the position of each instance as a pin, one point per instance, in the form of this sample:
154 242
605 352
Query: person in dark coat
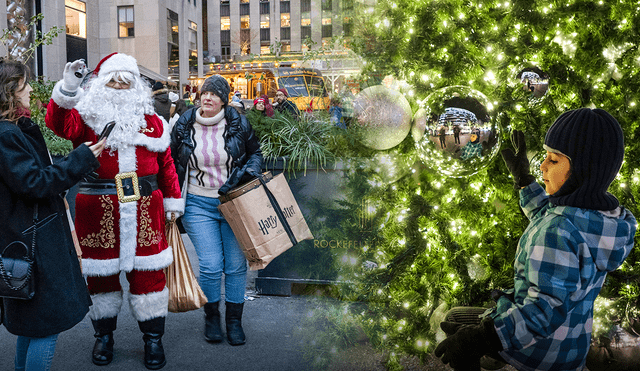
214 149
161 102
283 105
29 179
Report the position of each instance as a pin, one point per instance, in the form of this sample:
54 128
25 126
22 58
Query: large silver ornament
461 135
382 117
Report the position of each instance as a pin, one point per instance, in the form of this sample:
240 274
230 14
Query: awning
145 72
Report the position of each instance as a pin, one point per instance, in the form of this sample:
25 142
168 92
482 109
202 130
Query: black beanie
157 86
218 85
593 141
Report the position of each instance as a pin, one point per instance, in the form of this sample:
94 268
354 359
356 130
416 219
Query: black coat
289 107
162 104
240 143
27 177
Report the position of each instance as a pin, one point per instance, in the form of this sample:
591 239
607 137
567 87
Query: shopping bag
185 293
265 218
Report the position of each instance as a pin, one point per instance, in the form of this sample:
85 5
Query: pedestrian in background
161 102
578 233
335 112
121 227
215 149
27 179
284 105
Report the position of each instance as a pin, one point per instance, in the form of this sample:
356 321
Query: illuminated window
225 23
244 22
305 19
326 21
264 49
173 41
264 20
76 15
125 21
285 20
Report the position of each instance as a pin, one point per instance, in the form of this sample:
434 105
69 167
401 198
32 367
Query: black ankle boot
212 328
233 320
153 330
103 349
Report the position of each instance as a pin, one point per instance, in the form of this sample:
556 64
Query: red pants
140 282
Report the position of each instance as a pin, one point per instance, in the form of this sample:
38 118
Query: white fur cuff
105 305
154 262
175 205
148 306
65 101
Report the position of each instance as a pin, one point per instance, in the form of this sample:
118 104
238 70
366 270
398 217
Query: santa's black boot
233 320
212 328
153 330
103 349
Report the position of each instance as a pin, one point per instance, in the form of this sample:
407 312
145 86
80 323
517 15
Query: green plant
40 96
12 38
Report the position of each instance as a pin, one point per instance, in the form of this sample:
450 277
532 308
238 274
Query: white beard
127 107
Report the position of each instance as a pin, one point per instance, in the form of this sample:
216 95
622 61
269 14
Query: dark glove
466 344
90 176
518 163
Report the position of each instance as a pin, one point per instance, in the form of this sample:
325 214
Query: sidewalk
271 323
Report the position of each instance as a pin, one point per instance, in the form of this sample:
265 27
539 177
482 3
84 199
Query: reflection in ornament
460 137
419 124
383 117
535 81
475 268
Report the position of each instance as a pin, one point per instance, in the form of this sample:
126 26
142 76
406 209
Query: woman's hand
97 147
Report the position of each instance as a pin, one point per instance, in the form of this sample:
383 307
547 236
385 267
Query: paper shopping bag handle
278 211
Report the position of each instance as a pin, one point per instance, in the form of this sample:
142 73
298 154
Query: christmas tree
433 238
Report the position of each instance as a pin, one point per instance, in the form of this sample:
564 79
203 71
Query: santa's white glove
73 75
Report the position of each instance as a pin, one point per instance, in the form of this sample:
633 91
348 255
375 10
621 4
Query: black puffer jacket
240 143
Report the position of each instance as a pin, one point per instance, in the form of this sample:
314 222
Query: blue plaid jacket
470 150
560 266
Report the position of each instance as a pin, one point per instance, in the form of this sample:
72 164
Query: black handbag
16 266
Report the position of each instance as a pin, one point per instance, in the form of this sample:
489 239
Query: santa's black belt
128 186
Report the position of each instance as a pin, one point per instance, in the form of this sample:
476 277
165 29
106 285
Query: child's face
555 171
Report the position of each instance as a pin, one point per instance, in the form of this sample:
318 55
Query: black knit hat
593 141
157 86
218 85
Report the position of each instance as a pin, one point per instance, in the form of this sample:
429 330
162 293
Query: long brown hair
11 74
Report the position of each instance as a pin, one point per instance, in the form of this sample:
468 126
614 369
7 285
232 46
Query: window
285 7
305 19
193 44
225 23
286 47
76 14
173 41
125 21
264 49
244 22
285 33
226 52
305 5
326 31
265 34
285 20
326 5
225 10
264 20
264 7
245 9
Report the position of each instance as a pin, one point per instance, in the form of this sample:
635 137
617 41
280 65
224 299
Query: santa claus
120 214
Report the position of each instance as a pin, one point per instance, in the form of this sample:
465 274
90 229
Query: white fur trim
105 305
155 144
175 205
100 267
154 262
128 214
148 306
65 101
119 62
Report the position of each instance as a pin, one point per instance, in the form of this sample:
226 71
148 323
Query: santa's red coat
116 236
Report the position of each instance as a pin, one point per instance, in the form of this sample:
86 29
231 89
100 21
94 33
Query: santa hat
257 100
117 62
284 91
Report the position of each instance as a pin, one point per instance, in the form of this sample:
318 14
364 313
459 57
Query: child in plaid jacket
577 234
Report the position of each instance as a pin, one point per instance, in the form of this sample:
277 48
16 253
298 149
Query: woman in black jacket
215 149
28 178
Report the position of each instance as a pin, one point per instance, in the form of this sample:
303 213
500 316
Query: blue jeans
35 354
217 248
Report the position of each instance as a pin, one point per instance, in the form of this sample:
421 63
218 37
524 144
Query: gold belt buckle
136 190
